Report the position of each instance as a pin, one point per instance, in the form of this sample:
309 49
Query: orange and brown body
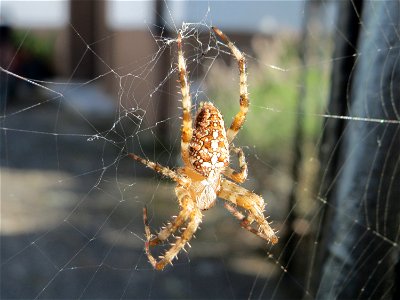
209 147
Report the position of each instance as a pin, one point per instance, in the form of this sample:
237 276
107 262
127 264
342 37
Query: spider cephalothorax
205 154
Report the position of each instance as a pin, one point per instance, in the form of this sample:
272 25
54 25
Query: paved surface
71 224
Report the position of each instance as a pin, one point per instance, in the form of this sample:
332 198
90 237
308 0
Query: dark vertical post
85 20
362 241
345 40
345 47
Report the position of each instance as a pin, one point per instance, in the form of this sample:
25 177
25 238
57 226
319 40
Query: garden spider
205 152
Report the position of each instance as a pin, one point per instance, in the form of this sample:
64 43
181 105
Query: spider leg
172 226
252 203
245 222
240 117
238 176
189 212
187 130
181 180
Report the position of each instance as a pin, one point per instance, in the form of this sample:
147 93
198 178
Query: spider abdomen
209 147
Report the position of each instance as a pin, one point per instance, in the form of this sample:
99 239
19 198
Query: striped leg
187 130
172 226
254 206
238 176
240 117
181 180
245 222
190 214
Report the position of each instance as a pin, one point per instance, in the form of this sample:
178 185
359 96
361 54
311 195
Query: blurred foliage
40 47
275 77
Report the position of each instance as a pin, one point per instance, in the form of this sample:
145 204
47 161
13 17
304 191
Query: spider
205 153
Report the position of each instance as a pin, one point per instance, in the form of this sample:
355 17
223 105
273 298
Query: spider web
71 199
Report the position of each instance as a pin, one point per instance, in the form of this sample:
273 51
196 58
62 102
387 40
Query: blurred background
83 83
